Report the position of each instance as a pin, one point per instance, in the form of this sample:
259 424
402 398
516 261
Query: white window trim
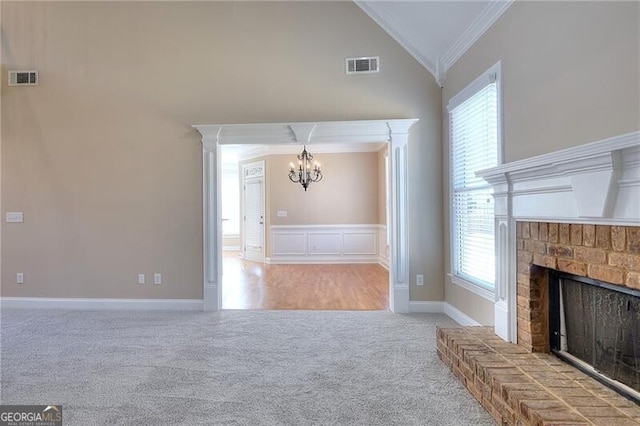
485 78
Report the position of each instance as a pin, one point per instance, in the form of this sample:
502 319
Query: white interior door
253 211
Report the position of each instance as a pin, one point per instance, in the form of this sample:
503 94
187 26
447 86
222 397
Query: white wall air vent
363 65
23 78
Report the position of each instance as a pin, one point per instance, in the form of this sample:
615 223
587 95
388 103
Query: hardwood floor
252 285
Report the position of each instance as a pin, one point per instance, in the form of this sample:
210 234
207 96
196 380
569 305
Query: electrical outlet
140 278
20 278
157 279
420 279
14 217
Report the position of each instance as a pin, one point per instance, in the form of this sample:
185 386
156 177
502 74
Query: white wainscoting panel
289 243
325 244
360 243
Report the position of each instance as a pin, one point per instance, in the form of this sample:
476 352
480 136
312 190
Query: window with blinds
474 139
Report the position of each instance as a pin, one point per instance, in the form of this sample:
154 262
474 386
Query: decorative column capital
210 136
399 132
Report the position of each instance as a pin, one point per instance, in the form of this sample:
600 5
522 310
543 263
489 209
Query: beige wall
1 133
101 158
347 194
382 189
569 76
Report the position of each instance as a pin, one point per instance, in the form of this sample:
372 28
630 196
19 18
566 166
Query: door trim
393 132
250 171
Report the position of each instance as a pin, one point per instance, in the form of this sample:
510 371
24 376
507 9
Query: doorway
393 132
253 211
300 270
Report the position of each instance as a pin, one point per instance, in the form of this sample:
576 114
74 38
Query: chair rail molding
394 132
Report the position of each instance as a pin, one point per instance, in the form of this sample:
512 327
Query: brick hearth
518 387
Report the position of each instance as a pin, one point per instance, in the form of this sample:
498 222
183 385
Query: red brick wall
603 252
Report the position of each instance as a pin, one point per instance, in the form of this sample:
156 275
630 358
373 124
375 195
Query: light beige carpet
232 368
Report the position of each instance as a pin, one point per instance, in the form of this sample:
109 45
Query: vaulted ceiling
435 32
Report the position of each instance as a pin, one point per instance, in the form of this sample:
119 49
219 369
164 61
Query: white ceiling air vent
23 78
363 65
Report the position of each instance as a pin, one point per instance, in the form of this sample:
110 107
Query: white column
506 263
399 272
212 242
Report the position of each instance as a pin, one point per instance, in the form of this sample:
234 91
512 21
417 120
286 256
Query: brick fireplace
602 252
523 384
575 211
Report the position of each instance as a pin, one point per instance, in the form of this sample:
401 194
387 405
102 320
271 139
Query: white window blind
474 147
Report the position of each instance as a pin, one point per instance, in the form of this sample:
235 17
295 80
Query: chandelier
304 175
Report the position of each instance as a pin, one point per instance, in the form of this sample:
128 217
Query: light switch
282 213
14 217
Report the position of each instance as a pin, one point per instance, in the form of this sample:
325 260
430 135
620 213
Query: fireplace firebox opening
595 326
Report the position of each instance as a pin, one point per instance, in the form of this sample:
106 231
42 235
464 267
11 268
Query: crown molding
399 33
478 27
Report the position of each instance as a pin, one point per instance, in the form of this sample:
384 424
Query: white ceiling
435 32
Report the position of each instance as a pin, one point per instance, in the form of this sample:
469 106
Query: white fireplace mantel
596 183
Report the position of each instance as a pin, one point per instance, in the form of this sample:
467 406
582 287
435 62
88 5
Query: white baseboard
426 307
88 303
459 316
189 305
442 308
384 262
399 299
